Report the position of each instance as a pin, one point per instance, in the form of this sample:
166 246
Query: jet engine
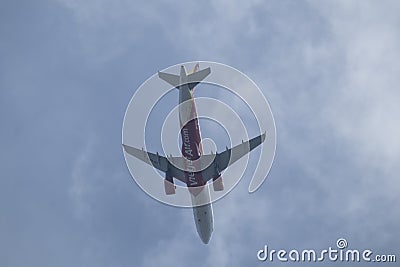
218 184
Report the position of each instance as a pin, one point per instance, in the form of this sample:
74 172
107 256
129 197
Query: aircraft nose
205 237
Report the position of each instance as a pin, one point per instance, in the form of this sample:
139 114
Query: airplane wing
229 156
159 162
215 163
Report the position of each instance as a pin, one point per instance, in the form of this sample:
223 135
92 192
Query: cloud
330 72
362 108
335 103
81 174
365 106
109 29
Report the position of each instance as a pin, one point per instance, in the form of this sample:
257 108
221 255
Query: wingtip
253 188
263 136
125 147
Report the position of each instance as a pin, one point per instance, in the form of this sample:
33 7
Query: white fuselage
203 215
192 150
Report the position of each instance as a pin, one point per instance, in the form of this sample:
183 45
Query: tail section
196 68
196 77
191 80
183 73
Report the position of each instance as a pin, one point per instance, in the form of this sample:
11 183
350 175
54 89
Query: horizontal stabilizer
172 79
196 77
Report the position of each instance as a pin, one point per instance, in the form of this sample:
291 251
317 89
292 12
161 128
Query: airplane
193 168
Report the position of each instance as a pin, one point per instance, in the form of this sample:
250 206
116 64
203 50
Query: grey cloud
68 69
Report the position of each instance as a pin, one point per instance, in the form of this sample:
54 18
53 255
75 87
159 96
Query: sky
68 69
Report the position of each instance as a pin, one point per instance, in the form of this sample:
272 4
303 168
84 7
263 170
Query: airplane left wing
159 162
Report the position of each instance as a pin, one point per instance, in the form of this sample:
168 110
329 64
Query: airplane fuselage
191 139
192 151
192 167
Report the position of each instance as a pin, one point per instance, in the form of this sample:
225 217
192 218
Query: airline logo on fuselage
188 154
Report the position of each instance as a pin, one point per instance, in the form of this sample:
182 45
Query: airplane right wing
229 156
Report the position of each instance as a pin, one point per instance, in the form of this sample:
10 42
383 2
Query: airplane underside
193 168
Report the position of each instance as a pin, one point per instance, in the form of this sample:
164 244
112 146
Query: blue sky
68 69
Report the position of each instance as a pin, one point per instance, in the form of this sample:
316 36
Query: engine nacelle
169 185
218 184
